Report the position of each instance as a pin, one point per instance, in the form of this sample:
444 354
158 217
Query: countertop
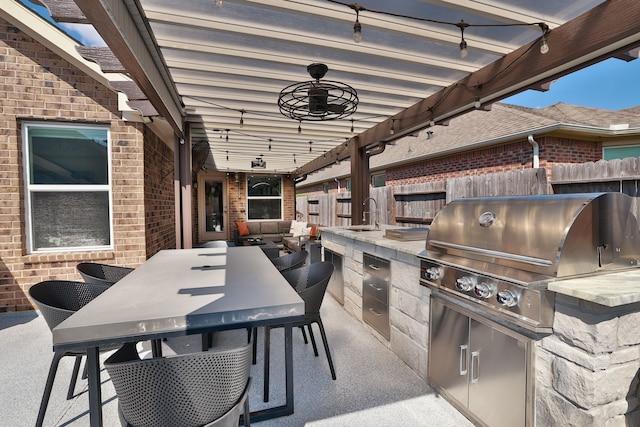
376 237
611 289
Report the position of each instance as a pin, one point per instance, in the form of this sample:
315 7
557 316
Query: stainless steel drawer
376 288
376 314
376 279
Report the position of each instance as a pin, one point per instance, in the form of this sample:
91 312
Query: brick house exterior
38 85
565 134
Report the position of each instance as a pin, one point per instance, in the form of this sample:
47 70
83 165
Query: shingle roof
477 128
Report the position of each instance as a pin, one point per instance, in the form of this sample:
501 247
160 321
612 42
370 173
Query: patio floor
373 386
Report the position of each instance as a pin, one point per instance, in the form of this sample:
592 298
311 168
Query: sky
612 84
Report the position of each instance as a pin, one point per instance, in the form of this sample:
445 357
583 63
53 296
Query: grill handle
475 366
497 254
463 359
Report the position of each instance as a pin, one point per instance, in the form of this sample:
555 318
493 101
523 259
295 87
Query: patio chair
102 274
208 388
57 300
311 283
290 261
107 275
283 263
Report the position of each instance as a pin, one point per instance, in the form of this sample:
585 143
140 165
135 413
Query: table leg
95 394
287 408
288 360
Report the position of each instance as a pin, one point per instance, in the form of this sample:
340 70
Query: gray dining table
183 292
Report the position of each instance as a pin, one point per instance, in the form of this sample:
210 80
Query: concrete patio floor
373 386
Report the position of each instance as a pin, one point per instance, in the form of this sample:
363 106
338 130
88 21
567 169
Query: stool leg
47 388
74 377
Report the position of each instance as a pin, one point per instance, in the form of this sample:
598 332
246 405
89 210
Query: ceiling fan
316 99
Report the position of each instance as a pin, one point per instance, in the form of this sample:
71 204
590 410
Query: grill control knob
483 290
432 273
507 298
465 283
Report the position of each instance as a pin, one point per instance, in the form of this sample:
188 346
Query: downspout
338 182
536 151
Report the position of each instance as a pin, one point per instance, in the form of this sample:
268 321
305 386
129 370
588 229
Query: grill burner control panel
524 306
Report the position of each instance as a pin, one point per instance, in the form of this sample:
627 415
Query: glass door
212 207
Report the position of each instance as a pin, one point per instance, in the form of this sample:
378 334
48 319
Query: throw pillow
313 233
293 226
243 229
298 229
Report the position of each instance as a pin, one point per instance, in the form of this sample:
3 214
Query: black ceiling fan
318 99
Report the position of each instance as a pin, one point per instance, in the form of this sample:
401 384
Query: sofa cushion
243 230
255 227
284 227
270 228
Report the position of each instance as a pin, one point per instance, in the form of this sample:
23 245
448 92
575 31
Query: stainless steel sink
360 228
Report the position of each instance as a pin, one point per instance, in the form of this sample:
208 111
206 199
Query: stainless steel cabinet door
449 351
497 376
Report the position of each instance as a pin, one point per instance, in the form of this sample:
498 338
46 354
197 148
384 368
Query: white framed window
67 171
264 197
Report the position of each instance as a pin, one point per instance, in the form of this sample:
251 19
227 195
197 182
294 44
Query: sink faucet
375 212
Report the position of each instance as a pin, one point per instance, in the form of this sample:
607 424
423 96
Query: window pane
214 205
73 219
621 152
67 156
264 208
379 180
264 186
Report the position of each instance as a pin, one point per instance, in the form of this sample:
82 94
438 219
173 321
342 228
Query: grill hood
550 236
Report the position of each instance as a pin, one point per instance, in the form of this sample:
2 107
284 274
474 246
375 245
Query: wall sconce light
236 177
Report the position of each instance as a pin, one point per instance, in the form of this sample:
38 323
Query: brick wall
36 84
500 158
159 195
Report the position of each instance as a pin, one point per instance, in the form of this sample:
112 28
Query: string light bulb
299 127
351 125
310 142
241 118
544 46
294 158
392 130
227 137
464 51
357 28
269 144
477 104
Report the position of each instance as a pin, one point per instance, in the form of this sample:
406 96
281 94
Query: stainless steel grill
499 254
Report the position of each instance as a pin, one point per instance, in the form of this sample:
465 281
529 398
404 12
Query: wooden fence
417 204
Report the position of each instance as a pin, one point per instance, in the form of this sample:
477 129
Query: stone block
554 410
628 330
578 356
589 389
406 277
543 363
414 307
593 333
414 355
414 330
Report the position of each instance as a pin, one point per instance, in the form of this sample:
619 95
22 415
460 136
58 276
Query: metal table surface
183 292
